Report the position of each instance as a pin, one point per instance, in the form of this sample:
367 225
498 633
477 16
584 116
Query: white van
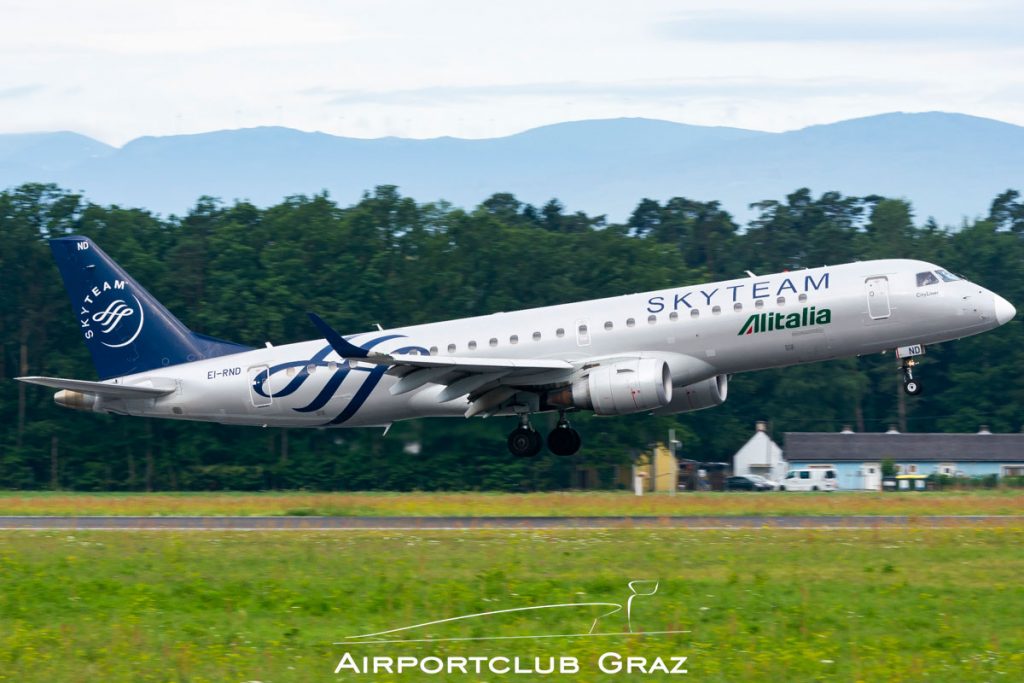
813 478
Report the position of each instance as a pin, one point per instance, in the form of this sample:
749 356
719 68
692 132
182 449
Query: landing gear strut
524 441
563 439
910 385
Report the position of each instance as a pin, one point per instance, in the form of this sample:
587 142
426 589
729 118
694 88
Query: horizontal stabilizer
161 387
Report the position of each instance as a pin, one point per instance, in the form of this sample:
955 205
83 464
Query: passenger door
877 289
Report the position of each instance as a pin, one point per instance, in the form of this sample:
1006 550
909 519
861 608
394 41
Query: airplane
664 352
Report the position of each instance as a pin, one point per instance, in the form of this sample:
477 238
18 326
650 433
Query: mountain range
950 166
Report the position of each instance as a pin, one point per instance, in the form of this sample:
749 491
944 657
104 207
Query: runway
95 523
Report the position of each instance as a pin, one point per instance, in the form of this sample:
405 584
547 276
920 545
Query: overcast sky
118 69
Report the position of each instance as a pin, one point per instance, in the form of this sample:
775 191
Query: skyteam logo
111 314
769 322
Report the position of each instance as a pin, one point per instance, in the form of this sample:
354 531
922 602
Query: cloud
992 27
631 90
19 91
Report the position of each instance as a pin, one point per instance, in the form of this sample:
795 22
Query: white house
760 455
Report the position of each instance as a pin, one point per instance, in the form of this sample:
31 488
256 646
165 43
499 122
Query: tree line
249 274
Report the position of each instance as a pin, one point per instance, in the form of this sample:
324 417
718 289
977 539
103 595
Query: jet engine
620 388
697 396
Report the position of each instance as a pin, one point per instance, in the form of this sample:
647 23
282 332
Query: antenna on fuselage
749 273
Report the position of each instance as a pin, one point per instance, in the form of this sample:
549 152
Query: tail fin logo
112 317
117 321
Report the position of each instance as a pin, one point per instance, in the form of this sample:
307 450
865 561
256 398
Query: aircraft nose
1005 311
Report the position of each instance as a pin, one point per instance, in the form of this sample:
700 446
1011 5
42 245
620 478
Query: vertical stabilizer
125 328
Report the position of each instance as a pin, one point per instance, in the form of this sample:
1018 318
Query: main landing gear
910 385
526 442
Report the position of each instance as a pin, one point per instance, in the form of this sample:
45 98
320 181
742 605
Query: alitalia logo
768 322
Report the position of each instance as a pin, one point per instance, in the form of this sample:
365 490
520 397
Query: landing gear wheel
910 385
564 440
524 442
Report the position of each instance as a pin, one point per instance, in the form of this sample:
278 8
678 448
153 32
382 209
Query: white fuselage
700 331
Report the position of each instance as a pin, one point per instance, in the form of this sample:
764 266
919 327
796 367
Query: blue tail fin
125 328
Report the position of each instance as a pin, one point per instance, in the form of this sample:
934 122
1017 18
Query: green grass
874 605
1004 501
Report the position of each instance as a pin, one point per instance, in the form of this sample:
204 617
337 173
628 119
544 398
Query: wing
486 382
167 386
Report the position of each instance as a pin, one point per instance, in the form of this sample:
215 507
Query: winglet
342 346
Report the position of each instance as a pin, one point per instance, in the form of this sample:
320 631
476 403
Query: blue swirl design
373 378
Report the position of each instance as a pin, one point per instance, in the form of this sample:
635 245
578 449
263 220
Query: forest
249 274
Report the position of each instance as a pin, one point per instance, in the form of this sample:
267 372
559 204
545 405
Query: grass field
876 605
972 502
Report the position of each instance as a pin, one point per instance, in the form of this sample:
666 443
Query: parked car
810 479
772 485
746 482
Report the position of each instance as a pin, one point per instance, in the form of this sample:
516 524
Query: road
466 523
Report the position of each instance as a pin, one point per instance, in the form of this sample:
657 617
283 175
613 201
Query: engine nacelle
621 388
697 396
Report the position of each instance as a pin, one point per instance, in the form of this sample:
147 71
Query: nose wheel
910 385
563 439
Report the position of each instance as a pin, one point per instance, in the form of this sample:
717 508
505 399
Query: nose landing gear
910 385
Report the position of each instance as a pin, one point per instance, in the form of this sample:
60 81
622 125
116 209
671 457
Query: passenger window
493 342
805 475
673 316
759 303
472 346
630 322
715 310
514 339
830 474
433 350
290 372
781 301
737 307
694 313
651 319
608 326
926 278
451 348
560 332
536 336
310 369
802 298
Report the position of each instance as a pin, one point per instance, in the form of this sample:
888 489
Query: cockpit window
947 276
926 278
